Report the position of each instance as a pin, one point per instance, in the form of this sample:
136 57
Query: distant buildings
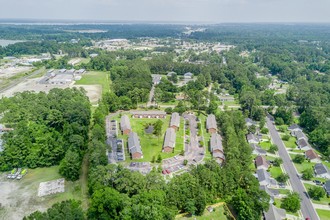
211 124
62 76
134 146
148 114
169 141
125 125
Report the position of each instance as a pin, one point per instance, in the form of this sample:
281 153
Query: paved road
307 208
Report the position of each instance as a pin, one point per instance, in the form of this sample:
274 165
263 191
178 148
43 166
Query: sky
208 11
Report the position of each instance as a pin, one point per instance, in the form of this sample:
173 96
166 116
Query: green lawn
217 214
207 136
95 78
291 143
284 191
150 143
323 214
265 145
303 166
275 171
322 201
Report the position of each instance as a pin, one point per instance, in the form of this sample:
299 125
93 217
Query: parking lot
142 167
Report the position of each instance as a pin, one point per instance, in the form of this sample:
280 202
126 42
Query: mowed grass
323 214
322 201
291 143
95 78
303 166
265 145
152 145
275 171
217 214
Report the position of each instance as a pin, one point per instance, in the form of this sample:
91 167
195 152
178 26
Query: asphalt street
307 208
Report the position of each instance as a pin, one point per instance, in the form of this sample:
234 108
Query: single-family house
252 139
294 128
257 150
148 114
326 187
265 179
156 79
321 171
134 146
170 74
188 75
125 125
226 98
271 192
249 122
274 213
303 144
261 162
217 148
211 124
175 121
300 135
312 156
169 141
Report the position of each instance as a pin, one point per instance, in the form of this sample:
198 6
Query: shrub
286 137
316 192
277 162
299 158
264 130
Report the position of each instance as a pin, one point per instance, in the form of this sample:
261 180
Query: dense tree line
117 193
48 129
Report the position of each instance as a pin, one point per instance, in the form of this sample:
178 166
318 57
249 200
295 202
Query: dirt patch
12 71
17 200
31 85
94 92
51 187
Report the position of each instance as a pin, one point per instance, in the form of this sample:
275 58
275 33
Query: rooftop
175 119
320 169
170 137
211 122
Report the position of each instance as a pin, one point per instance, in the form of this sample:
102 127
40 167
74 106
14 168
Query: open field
96 78
19 197
150 143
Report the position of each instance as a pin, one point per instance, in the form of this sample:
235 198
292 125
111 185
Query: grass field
217 214
95 78
275 171
303 166
291 143
150 143
323 214
322 201
265 145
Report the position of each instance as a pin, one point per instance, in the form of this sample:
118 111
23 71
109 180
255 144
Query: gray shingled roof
175 119
251 136
170 137
216 142
218 155
258 149
326 187
263 175
275 213
320 169
134 143
125 123
302 143
293 127
300 135
211 122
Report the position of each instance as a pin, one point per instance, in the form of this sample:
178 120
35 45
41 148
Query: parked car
317 182
167 171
